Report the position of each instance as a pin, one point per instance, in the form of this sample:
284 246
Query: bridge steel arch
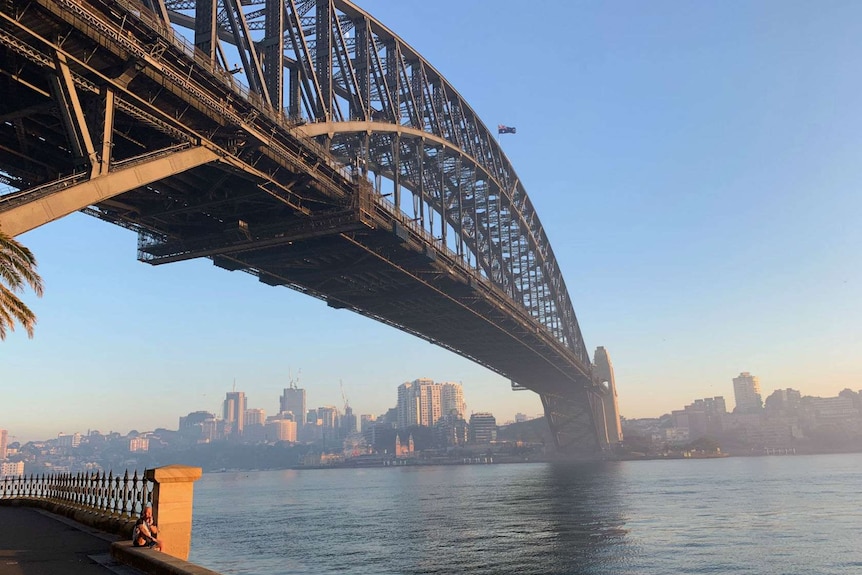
332 159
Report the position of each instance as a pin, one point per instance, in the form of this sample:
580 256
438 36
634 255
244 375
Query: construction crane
343 397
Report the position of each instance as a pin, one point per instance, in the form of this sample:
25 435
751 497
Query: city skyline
220 413
698 186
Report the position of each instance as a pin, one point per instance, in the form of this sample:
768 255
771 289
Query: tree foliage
17 272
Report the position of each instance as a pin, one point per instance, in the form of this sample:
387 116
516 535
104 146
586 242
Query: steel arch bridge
307 144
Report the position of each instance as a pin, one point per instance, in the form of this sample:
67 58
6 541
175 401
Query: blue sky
697 169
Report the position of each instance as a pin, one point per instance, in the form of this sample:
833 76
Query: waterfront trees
17 271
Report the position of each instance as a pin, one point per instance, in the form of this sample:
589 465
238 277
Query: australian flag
501 129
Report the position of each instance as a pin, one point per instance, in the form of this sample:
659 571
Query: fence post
173 491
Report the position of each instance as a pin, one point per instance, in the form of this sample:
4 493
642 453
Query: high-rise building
348 421
452 400
3 439
366 420
255 417
420 402
483 428
293 400
281 430
234 411
746 392
605 371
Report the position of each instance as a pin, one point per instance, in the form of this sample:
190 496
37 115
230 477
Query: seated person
145 532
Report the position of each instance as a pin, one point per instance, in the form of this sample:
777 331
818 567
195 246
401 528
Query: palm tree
17 270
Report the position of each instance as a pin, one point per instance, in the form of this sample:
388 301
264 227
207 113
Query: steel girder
347 67
354 95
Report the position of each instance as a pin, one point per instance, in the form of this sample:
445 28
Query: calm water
782 515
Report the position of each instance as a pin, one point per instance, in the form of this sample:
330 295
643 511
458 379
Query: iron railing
106 494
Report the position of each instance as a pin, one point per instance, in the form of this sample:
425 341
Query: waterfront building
293 400
483 428
746 392
3 439
234 412
451 431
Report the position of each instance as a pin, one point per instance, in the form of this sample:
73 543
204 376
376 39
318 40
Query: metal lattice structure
303 142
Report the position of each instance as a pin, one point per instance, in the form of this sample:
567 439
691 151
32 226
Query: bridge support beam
63 201
570 414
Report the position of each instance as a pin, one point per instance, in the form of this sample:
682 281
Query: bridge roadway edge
143 560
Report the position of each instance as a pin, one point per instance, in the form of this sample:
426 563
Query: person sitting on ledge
145 533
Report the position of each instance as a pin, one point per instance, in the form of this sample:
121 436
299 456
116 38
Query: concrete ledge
154 562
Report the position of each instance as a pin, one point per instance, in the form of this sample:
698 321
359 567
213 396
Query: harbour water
779 514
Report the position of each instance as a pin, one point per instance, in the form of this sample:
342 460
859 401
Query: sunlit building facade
746 393
234 411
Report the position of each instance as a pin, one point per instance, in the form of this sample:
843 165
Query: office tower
234 411
281 430
452 400
254 417
746 392
483 428
605 371
328 416
3 439
366 420
293 400
348 421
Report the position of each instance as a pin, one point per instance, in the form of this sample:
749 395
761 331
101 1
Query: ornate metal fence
106 494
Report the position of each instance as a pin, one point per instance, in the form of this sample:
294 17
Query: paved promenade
35 542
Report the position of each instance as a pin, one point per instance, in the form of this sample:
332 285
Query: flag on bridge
501 129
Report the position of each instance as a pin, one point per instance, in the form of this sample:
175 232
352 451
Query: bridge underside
154 143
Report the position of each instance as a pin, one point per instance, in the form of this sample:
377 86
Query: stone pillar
172 506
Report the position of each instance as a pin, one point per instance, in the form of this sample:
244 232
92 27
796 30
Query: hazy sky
695 165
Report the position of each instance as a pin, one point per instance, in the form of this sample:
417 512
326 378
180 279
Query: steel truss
110 106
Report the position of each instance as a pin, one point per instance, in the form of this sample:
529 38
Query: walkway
35 542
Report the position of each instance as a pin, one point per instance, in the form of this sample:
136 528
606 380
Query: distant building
702 418
520 417
452 400
69 441
281 430
9 469
424 402
200 426
139 444
783 402
3 439
255 417
451 431
483 428
366 420
746 392
293 400
348 422
234 412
